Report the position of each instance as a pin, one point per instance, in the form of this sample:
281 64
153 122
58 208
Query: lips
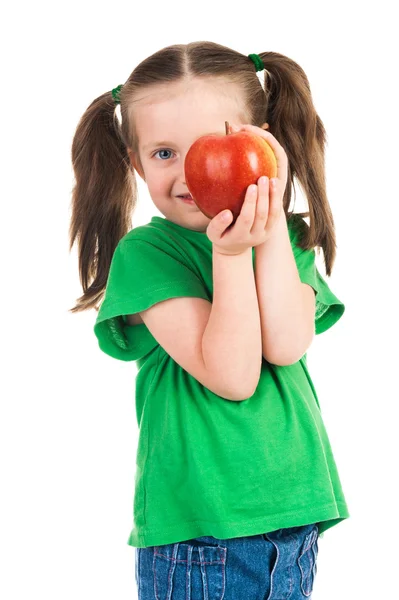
185 196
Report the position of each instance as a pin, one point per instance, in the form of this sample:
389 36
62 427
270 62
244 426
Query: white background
68 428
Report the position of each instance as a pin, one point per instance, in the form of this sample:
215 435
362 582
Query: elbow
283 358
244 392
282 361
239 397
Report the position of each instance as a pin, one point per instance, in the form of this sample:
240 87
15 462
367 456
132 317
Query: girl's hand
261 209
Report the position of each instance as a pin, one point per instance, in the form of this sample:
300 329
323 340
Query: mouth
186 198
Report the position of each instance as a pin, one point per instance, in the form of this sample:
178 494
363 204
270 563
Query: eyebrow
166 143
153 145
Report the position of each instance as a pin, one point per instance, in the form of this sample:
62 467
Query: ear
135 162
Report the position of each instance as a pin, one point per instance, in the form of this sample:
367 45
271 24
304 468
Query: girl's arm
217 343
287 306
232 342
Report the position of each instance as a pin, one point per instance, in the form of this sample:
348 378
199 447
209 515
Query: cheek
159 185
156 189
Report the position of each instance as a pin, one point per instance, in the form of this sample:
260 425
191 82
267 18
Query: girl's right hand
254 224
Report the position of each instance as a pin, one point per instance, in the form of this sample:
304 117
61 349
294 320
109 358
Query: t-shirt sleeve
141 274
329 309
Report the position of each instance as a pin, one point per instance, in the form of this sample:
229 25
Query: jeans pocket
190 571
307 561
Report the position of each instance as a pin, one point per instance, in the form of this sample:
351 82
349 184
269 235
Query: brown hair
105 192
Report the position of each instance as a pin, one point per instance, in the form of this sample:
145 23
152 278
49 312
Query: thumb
225 217
218 224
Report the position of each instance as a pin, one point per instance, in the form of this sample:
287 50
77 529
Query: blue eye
162 150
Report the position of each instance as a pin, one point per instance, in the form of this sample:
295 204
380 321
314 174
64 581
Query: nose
182 174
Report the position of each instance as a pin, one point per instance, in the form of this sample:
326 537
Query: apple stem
226 123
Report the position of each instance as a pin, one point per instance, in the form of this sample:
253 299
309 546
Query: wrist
224 252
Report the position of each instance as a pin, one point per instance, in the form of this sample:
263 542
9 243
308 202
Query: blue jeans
278 565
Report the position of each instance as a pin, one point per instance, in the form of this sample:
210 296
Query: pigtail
294 122
103 197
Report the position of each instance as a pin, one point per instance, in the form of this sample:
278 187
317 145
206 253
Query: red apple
219 169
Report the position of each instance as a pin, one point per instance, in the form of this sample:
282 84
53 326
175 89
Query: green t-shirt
206 465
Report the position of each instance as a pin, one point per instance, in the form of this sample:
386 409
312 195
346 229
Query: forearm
232 344
287 325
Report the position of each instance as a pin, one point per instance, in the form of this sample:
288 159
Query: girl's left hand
279 152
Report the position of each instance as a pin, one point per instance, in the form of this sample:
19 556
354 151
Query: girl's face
168 119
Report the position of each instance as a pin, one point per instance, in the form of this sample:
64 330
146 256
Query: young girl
235 476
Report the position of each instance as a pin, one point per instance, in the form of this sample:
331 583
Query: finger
223 219
262 207
218 225
275 208
245 219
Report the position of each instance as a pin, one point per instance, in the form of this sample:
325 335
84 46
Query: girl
235 476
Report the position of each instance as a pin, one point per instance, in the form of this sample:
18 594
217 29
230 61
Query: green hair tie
258 62
115 93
